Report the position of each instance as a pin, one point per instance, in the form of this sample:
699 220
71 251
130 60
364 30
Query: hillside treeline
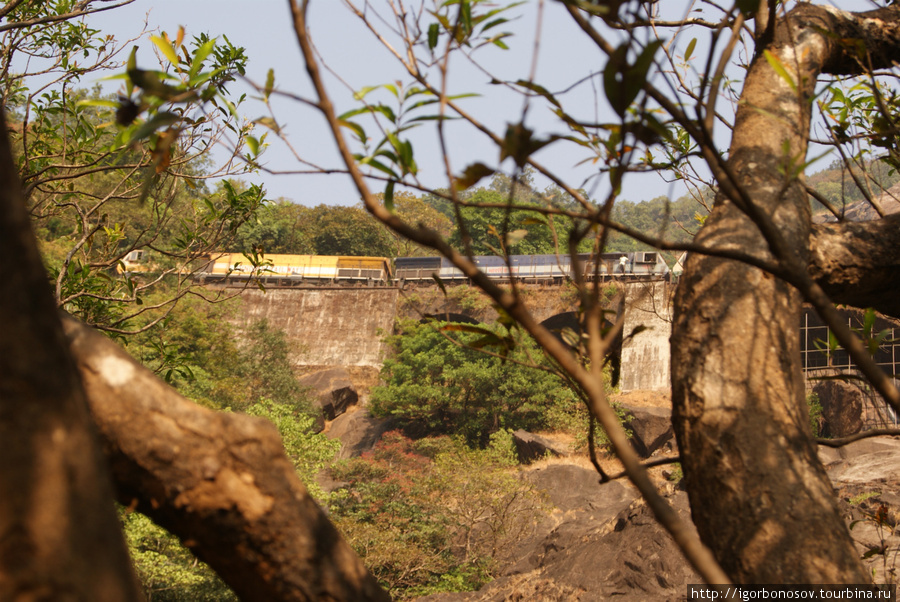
285 227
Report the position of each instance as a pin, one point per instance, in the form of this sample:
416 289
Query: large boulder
651 428
358 432
600 542
866 477
531 447
333 391
842 407
627 557
867 461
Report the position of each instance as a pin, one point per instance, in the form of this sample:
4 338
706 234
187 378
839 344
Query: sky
264 28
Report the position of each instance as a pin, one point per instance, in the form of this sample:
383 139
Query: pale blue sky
264 28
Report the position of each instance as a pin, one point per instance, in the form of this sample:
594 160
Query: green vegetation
435 384
309 450
434 515
167 570
227 369
815 413
106 175
866 495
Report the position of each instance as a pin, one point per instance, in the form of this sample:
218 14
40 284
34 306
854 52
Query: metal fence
822 360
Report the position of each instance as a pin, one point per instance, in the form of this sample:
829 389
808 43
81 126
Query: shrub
434 515
435 386
167 570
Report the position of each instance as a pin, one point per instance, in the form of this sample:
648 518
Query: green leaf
612 74
489 340
270 83
271 124
357 129
433 31
570 337
160 120
252 144
166 48
690 49
621 82
440 283
780 69
538 89
469 328
389 196
112 104
519 144
200 55
132 60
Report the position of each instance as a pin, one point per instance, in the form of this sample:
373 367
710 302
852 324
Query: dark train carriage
643 265
416 268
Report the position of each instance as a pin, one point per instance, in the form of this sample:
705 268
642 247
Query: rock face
651 428
860 211
334 392
600 542
866 475
358 432
842 407
531 447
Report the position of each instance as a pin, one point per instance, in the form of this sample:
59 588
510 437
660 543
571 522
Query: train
298 270
537 268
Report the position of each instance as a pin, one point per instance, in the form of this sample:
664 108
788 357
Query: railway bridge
345 325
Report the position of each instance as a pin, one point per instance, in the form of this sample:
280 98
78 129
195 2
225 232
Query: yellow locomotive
296 270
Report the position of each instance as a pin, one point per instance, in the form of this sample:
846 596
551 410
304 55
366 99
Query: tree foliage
438 384
104 176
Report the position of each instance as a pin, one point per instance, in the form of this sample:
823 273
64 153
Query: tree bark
858 263
60 538
760 498
219 481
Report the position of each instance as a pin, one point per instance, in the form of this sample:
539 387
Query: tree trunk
759 496
219 481
60 537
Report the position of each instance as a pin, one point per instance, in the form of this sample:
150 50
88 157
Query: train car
416 269
537 268
639 265
297 270
136 261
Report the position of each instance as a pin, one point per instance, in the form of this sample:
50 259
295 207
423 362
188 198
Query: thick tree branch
59 534
858 263
221 482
